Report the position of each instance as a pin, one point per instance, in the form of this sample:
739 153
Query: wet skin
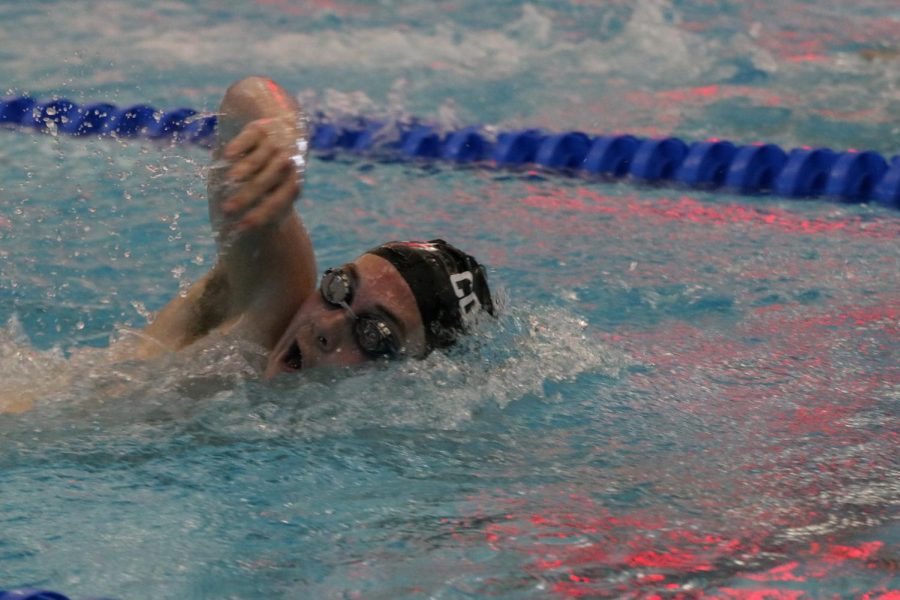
322 334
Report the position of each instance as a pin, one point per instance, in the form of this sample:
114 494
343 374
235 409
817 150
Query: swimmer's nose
333 328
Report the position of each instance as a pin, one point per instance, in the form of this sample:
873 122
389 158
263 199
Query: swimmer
400 299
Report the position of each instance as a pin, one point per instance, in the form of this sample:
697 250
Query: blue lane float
754 169
31 594
34 594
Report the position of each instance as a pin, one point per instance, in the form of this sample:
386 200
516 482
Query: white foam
651 45
218 382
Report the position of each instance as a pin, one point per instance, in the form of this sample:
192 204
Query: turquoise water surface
687 395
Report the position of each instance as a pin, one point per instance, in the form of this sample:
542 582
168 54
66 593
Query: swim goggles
373 335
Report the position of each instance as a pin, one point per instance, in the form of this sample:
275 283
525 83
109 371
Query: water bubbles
51 127
141 309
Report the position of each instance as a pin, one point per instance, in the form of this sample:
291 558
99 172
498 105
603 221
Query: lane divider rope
34 594
753 169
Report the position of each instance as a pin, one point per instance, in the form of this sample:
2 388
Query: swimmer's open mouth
293 358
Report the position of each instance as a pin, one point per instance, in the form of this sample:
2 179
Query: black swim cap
449 285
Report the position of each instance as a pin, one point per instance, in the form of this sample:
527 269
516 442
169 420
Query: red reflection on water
582 550
787 33
885 316
808 57
829 399
689 209
698 96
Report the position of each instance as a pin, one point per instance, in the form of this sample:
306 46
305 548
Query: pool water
687 394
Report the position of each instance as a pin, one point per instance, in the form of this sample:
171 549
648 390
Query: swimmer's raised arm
263 247
266 266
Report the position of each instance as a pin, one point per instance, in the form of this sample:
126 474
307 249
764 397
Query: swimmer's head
449 285
398 299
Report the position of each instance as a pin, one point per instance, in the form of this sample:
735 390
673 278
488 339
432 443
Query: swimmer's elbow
253 98
257 96
249 86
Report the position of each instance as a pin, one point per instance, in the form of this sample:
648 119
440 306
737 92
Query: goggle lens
336 288
375 337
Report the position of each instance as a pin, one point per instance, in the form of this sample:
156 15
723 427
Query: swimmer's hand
267 162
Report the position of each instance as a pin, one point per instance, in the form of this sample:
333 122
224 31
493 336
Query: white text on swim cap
467 303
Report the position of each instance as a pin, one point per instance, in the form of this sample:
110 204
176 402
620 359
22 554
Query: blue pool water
687 394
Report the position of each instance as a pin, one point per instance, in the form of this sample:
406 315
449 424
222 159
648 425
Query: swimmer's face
379 318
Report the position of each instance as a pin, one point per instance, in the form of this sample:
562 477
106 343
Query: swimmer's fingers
278 201
260 155
278 171
281 134
248 165
249 137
